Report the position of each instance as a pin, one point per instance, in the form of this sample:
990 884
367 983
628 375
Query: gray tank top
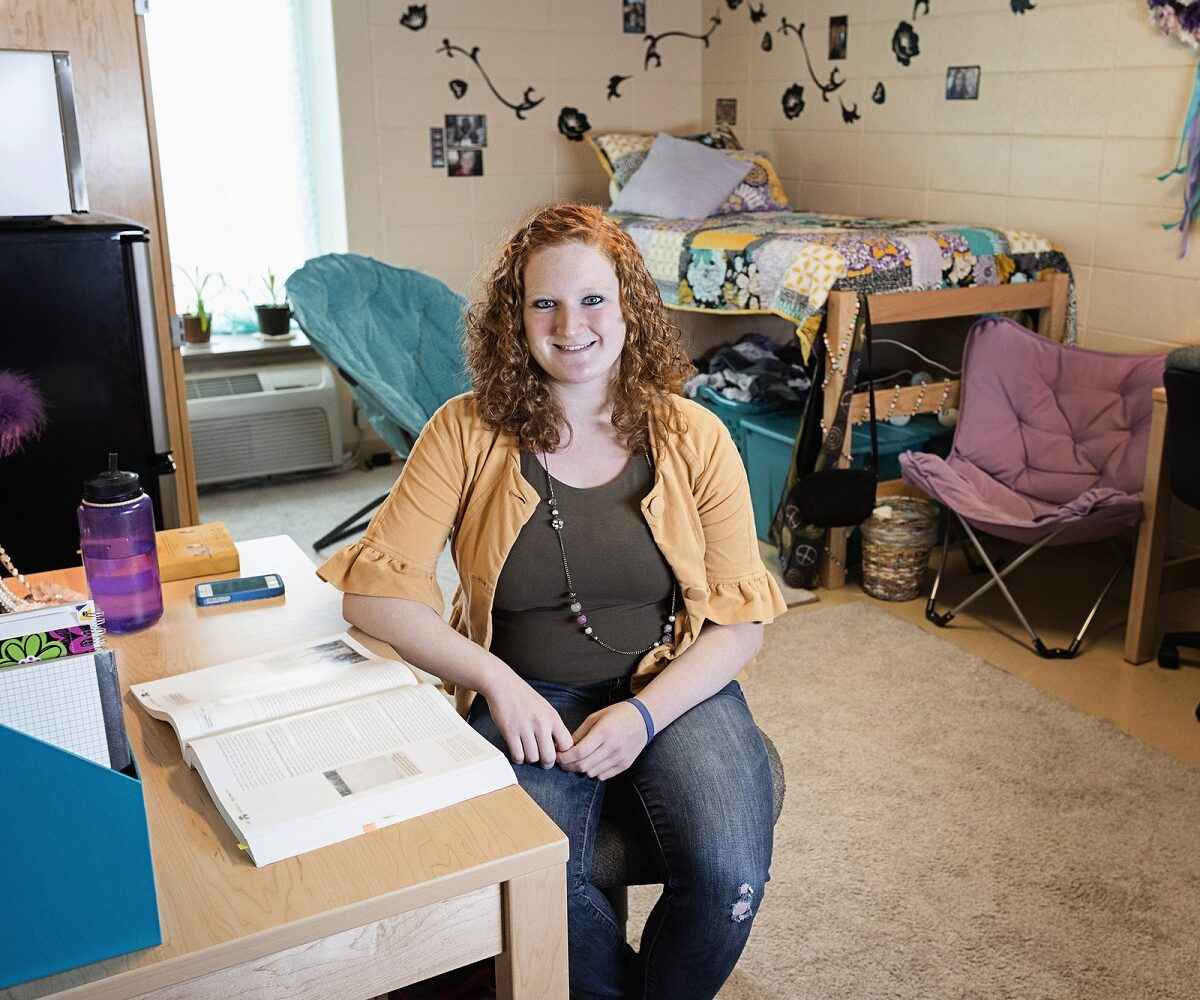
620 576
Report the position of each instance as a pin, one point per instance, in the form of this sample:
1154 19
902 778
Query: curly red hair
512 390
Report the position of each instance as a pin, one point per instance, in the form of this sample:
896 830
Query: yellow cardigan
464 479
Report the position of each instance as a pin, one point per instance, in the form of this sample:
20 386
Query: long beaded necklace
574 604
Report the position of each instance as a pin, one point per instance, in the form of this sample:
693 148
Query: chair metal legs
348 527
942 619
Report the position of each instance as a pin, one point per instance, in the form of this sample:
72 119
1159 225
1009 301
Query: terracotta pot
273 321
192 332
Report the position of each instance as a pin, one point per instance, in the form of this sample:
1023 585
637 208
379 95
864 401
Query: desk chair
394 335
1182 382
626 851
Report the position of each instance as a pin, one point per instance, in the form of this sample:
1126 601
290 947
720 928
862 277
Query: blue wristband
636 703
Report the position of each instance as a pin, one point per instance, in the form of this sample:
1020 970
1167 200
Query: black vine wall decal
920 5
767 44
573 123
879 95
905 43
849 114
833 83
415 17
757 14
614 82
458 88
527 103
652 53
793 101
1020 6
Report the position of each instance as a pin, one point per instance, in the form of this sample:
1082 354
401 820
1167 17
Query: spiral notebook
58 683
50 633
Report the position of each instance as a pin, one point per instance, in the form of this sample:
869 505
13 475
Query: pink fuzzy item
22 412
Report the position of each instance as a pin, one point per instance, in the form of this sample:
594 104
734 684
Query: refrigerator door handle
139 248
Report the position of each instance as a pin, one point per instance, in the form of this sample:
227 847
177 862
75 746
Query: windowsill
246 349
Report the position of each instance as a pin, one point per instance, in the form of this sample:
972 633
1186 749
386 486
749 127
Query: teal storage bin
731 413
74 862
767 452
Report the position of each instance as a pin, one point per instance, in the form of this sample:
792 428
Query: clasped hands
603 746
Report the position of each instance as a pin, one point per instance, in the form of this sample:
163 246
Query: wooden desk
1153 574
347 922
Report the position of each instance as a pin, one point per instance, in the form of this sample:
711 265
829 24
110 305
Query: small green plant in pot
274 316
197 324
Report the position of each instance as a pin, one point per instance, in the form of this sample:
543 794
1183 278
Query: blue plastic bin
731 413
767 451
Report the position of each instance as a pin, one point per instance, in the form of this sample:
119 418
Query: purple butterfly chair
1050 449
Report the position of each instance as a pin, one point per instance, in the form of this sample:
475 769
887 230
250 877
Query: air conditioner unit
262 421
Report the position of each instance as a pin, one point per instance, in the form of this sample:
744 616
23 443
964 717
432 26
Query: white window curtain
235 144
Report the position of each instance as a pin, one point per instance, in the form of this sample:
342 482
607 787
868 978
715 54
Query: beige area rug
950 832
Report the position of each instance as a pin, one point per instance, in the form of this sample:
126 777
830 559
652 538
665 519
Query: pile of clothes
754 370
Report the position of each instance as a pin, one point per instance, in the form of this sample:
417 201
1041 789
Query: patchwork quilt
787 263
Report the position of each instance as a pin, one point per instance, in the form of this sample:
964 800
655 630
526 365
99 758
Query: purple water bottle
116 536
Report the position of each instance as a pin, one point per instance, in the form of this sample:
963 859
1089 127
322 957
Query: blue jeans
705 785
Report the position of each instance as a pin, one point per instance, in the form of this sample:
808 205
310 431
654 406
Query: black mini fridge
77 317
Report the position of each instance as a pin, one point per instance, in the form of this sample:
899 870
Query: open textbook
318 743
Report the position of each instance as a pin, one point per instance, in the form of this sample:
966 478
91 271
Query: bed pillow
760 190
681 180
621 153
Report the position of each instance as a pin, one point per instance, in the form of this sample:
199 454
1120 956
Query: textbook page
295 784
272 685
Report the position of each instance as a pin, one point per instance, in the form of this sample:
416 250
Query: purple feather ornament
22 412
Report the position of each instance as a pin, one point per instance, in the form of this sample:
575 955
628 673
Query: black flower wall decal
833 83
849 114
767 44
458 88
905 43
573 123
879 95
415 17
733 4
793 101
1020 6
614 83
757 14
527 103
654 57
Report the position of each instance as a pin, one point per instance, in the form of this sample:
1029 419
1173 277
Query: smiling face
572 314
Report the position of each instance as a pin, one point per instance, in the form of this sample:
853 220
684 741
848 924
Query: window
235 86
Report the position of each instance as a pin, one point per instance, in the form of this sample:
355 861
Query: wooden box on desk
74 861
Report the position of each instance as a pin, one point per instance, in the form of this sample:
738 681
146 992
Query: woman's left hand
606 742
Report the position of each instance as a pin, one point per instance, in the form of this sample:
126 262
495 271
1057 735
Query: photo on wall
839 31
633 17
962 83
466 131
466 162
437 148
726 111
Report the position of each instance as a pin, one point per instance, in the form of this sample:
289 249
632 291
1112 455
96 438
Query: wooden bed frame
1048 296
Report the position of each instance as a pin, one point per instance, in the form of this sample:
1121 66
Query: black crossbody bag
831 497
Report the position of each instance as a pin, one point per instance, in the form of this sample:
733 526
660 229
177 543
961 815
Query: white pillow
681 180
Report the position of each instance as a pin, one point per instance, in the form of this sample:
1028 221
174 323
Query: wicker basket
896 548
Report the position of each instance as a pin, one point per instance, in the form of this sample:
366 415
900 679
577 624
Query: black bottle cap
112 485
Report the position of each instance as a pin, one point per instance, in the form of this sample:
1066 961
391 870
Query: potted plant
197 324
274 316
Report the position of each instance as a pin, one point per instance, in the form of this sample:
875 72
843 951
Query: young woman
611 591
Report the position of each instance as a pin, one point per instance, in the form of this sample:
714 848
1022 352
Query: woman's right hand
531 726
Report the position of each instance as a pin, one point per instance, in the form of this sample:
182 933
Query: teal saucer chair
394 334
